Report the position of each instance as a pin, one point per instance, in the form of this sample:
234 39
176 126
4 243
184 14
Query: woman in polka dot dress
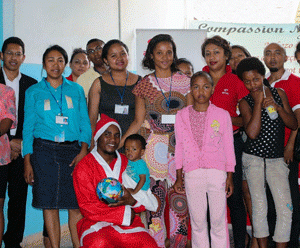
263 160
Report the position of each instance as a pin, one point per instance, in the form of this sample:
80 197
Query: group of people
174 139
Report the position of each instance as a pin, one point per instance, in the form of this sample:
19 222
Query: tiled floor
36 241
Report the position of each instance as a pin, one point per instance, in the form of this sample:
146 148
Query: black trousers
17 193
236 202
295 195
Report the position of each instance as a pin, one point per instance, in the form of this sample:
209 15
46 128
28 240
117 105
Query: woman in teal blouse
56 136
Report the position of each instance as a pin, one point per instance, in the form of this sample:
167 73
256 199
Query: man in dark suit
13 56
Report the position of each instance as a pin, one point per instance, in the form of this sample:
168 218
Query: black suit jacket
24 83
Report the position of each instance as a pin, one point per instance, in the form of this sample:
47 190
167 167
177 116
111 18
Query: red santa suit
101 225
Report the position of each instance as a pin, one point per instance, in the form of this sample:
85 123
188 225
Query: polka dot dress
270 141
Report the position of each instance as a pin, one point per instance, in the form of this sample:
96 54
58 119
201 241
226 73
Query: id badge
69 102
168 119
61 120
60 138
47 104
121 109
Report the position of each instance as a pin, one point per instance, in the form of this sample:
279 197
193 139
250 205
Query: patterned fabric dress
159 154
7 110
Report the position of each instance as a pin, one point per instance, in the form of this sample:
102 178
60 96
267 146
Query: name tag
121 109
61 120
60 138
69 102
47 104
168 119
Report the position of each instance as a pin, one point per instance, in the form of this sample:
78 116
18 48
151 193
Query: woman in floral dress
158 97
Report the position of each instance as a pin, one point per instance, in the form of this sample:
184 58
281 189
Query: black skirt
53 182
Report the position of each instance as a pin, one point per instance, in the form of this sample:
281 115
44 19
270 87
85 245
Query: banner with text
255 37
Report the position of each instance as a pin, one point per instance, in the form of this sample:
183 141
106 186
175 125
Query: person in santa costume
102 225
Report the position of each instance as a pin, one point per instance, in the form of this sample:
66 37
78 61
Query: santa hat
103 124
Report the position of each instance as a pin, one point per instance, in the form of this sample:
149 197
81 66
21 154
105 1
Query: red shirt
290 83
228 91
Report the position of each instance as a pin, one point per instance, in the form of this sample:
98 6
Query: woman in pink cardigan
205 152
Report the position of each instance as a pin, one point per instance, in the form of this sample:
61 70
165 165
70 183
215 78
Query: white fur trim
103 128
94 228
144 197
133 230
109 173
101 224
296 107
127 216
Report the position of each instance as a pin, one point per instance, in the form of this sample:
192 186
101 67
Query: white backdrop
71 23
188 44
68 23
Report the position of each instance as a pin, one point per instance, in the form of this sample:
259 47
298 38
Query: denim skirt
53 182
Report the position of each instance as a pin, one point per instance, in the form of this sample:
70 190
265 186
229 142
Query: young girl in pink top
205 152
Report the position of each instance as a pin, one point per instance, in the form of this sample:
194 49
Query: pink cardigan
218 149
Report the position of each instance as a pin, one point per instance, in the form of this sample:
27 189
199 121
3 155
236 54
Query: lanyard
167 100
123 93
59 105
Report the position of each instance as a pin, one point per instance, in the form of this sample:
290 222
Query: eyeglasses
11 54
97 49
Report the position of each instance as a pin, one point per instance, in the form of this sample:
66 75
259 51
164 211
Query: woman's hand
288 154
83 153
121 144
258 97
92 145
14 155
80 156
139 117
229 184
28 171
15 146
178 186
270 101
